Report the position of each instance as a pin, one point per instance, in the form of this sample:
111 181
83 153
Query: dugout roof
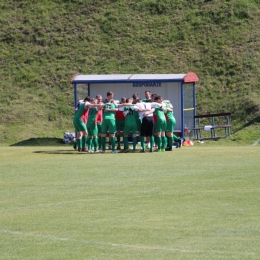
190 77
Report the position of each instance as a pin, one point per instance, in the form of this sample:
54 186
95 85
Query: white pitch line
62 203
158 248
51 204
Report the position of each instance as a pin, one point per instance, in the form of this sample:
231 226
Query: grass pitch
191 203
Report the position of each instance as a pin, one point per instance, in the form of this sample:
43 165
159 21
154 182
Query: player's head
88 98
135 96
153 97
147 94
158 99
123 100
99 98
93 101
110 95
129 100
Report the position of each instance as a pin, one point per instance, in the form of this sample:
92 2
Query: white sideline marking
51 204
256 142
118 245
66 202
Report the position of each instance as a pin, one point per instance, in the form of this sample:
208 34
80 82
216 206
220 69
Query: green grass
199 202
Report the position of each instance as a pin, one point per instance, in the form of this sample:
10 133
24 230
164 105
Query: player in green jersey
99 120
148 97
159 124
130 125
171 122
79 124
92 127
137 118
109 123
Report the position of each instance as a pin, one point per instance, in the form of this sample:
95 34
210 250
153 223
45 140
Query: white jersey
144 106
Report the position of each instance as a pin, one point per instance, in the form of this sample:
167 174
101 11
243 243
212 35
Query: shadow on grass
40 142
71 152
251 122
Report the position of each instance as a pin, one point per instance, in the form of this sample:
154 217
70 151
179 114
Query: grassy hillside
44 43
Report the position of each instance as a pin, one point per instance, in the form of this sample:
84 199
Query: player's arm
168 109
125 105
110 109
147 113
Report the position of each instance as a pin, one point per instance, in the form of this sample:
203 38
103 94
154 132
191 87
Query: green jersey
109 114
158 113
92 114
130 119
145 100
80 111
169 114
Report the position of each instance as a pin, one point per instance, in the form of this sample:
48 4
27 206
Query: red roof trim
190 78
74 77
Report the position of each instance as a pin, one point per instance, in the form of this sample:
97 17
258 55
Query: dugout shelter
180 89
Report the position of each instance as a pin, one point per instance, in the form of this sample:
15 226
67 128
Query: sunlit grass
193 203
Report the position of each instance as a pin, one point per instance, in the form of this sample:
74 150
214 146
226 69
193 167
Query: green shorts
129 129
160 126
109 125
120 125
92 129
79 125
138 124
170 125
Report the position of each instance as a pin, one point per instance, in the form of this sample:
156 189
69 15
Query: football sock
103 142
118 140
95 143
163 142
99 142
152 142
156 140
170 141
142 142
84 141
113 143
90 143
80 143
134 143
159 142
125 142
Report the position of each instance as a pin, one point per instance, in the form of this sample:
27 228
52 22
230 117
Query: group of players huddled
151 118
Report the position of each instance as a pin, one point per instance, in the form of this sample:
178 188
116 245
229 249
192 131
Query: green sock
134 143
118 140
113 143
80 143
99 142
159 142
164 142
77 143
84 141
126 143
95 143
103 142
151 142
90 143
156 140
170 141
142 142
